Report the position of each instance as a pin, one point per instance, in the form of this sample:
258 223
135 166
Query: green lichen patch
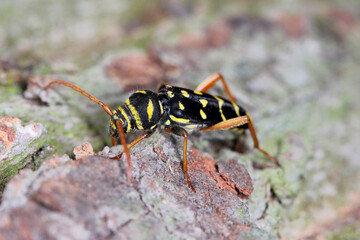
18 144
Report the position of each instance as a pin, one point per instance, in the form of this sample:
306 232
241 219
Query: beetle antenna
106 107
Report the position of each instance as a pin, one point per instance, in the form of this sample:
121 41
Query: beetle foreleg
136 141
126 150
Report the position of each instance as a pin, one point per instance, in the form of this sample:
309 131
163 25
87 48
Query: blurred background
65 31
293 64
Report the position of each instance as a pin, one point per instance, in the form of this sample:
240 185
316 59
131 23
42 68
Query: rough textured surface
295 67
91 198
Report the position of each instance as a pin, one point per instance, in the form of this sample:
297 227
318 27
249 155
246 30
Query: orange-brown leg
136 141
113 141
256 141
210 81
126 150
235 122
182 132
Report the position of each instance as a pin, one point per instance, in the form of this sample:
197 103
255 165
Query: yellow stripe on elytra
198 93
150 109
181 106
221 102
236 107
179 120
126 119
204 102
135 114
203 115
185 93
142 91
161 108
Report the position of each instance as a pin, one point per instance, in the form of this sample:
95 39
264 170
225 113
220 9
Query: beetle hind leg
210 81
238 121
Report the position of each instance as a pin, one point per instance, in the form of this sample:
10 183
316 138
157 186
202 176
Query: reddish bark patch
7 133
193 41
139 70
231 176
344 21
83 150
217 35
47 195
293 24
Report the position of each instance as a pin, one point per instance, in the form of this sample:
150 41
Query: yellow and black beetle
179 110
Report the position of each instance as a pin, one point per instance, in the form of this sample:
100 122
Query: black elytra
174 107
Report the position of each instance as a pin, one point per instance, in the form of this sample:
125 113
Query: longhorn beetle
179 110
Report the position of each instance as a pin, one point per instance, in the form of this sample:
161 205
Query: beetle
179 111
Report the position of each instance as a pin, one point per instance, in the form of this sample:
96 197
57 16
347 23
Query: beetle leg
210 81
256 141
113 141
230 123
136 141
126 150
182 132
238 121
